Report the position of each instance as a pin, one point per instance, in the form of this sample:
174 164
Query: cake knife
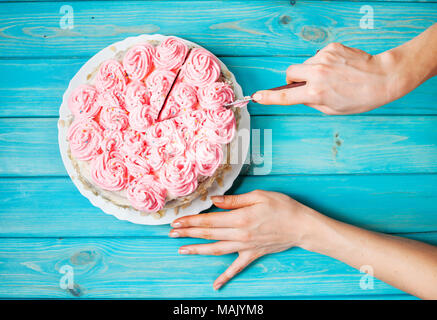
250 98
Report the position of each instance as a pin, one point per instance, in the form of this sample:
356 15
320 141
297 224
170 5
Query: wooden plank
22 96
52 207
73 1
300 145
238 28
140 268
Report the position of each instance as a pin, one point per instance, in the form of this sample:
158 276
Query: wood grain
141 268
300 145
258 28
22 96
52 207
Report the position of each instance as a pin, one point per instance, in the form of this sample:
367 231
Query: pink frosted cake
150 130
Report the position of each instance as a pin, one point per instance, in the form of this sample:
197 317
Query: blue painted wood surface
377 170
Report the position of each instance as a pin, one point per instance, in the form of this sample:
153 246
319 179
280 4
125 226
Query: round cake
149 129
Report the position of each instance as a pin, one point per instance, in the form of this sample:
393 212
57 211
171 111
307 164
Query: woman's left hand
260 222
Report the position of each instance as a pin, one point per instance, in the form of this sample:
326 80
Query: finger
207 233
236 201
243 260
215 248
283 97
209 220
297 72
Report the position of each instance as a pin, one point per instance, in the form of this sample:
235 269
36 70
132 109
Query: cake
149 129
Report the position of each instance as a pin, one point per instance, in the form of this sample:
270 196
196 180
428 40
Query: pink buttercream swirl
220 125
215 95
111 77
109 172
140 118
112 140
138 61
111 99
207 156
182 98
170 54
189 124
136 95
83 101
84 136
161 133
178 176
185 95
137 165
146 194
159 84
114 118
170 110
201 68
134 142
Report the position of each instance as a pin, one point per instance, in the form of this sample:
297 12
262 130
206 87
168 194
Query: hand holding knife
250 98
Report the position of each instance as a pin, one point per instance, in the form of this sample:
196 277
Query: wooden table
376 170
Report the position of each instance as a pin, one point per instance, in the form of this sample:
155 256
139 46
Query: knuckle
216 252
206 234
334 46
246 236
321 69
243 220
257 193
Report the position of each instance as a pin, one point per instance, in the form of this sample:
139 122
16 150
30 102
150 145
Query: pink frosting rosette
84 136
215 95
189 124
170 54
110 99
178 176
138 61
170 110
159 84
220 125
136 95
114 118
161 133
201 68
156 156
111 77
82 101
185 95
146 194
182 98
109 172
137 165
207 156
134 142
140 118
112 140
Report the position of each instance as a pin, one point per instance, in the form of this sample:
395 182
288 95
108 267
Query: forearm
412 63
406 264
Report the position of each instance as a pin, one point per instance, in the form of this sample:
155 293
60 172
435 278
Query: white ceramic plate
131 214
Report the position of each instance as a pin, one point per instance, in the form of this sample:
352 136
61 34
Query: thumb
234 201
283 97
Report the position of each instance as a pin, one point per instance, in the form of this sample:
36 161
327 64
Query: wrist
322 234
395 66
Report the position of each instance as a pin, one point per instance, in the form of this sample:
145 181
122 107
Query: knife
250 98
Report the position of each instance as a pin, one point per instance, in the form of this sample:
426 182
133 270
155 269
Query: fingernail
184 251
218 199
174 234
218 286
176 224
257 97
